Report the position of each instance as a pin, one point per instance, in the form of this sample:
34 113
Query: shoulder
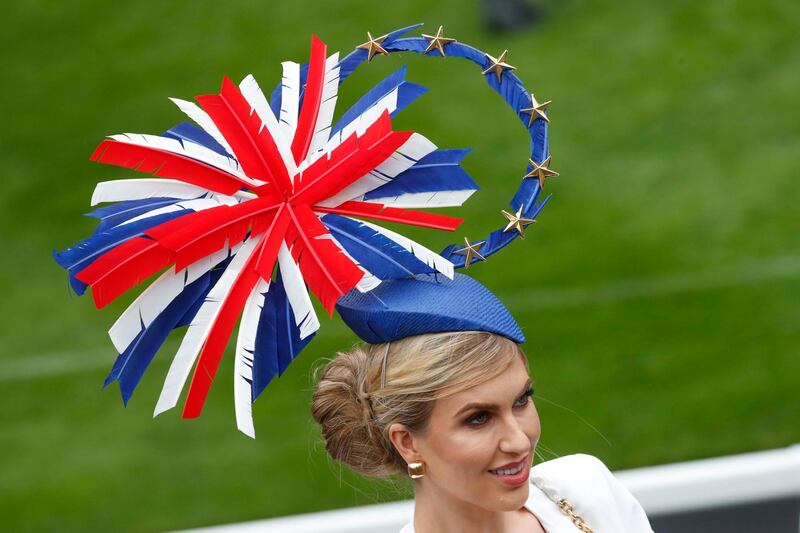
573 470
579 463
593 491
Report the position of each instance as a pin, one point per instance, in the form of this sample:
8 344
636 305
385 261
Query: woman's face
479 442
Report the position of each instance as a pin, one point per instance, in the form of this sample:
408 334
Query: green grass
675 129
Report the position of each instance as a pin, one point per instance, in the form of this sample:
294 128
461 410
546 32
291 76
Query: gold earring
416 470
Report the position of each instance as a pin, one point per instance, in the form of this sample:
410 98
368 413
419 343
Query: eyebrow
490 406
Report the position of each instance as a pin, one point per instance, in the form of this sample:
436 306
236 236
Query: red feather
327 271
393 214
349 161
214 346
312 100
182 240
166 165
275 233
122 267
259 265
250 141
196 235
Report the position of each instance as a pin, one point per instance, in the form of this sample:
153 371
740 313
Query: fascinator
261 200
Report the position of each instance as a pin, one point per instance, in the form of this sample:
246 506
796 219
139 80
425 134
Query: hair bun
341 406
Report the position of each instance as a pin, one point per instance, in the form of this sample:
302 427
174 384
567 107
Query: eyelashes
527 394
478 419
481 417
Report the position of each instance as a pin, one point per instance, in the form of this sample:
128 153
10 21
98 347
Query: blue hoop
509 86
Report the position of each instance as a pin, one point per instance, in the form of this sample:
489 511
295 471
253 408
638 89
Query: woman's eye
525 398
478 419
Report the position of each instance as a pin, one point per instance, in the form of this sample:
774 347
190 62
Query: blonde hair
355 411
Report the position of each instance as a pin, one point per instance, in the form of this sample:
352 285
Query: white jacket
596 495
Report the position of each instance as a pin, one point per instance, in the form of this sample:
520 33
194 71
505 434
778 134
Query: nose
514 440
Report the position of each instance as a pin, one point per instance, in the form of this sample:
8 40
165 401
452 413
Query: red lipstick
513 474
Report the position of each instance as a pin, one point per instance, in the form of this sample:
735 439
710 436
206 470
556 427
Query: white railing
679 487
717 482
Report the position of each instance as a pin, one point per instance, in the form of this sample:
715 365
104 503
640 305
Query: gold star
373 46
437 41
536 110
541 172
470 251
517 222
498 65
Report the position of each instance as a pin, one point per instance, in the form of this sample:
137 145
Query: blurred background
659 290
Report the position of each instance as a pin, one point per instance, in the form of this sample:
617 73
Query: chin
511 499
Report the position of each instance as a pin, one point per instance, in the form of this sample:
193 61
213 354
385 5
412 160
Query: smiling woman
356 423
454 410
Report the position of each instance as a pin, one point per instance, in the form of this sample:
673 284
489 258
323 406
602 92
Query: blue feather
277 338
494 242
437 171
533 210
407 93
133 362
186 131
497 239
540 147
78 257
359 55
509 87
275 98
526 195
289 343
265 355
116 214
215 273
375 252
452 157
346 66
514 93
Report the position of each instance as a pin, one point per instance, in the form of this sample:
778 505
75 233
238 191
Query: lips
509 466
512 473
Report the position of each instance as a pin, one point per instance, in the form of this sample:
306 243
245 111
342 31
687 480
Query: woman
254 205
454 410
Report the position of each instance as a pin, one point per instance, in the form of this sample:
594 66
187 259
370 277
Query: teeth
508 471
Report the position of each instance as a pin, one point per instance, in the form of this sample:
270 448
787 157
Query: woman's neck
437 511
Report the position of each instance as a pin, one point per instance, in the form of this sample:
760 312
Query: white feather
200 328
188 149
426 199
297 293
358 125
140 189
368 281
243 365
156 297
414 149
290 98
255 97
322 127
201 204
427 256
201 118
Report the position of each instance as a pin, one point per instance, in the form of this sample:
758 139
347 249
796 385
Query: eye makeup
480 417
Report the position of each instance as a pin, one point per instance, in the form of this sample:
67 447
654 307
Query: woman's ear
405 443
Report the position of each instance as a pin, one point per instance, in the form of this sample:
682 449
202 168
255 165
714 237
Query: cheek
533 426
468 451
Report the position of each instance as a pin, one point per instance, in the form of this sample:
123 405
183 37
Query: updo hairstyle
355 412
